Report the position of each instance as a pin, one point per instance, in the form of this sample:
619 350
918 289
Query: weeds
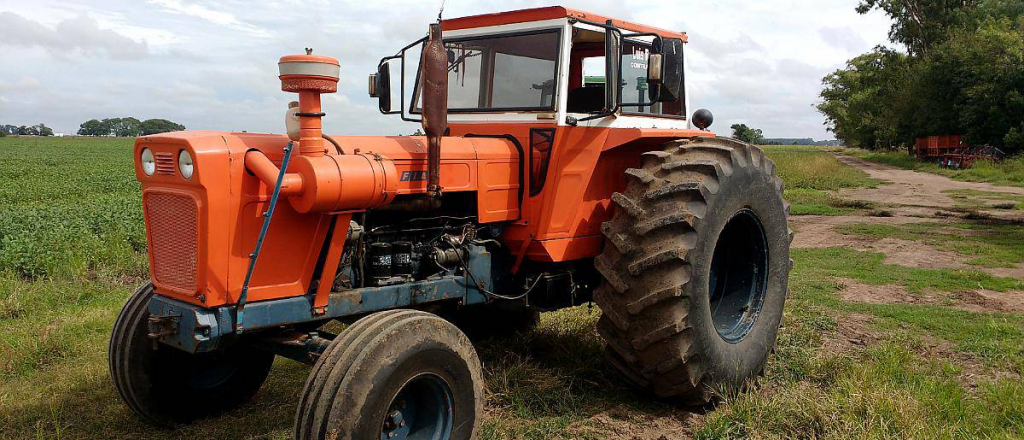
812 175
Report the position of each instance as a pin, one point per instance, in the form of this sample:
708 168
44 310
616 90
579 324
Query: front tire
695 269
394 374
167 386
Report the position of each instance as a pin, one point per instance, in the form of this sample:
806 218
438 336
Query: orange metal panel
587 165
549 13
330 269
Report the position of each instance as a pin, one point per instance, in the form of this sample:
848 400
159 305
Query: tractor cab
550 66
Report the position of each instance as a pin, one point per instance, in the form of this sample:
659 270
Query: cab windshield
510 72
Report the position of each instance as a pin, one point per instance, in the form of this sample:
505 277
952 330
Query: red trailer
953 151
948 151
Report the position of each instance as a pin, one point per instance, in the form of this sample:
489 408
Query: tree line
746 134
958 69
127 127
22 130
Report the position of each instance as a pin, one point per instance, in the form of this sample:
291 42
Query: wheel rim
422 410
209 375
739 275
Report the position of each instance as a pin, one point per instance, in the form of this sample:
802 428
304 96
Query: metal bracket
163 325
267 216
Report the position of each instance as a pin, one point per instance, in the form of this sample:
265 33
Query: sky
213 64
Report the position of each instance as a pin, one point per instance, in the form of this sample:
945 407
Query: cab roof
549 13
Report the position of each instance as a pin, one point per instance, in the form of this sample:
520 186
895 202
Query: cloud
216 17
22 84
213 64
74 36
742 44
843 38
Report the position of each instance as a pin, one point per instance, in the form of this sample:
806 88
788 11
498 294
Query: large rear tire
695 269
167 386
395 374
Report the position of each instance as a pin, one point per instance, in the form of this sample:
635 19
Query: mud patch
817 231
972 371
982 301
855 291
992 301
621 424
854 333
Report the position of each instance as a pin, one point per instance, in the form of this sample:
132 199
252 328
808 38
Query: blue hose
263 234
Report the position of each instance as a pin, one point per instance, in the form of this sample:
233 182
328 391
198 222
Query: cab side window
636 92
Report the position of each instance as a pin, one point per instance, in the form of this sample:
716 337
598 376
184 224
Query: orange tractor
535 187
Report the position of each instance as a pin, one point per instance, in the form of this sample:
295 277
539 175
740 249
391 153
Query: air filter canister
379 262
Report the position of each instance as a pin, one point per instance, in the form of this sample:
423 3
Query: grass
82 253
985 245
812 176
974 199
1007 172
888 389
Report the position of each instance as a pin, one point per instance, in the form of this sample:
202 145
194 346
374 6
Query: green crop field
72 248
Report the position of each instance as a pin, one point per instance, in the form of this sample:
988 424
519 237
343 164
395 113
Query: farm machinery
534 188
953 151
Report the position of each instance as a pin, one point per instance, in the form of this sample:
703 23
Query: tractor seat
587 99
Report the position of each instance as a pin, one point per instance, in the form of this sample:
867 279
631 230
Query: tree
747 134
125 127
93 127
154 126
44 130
980 73
858 101
961 72
921 24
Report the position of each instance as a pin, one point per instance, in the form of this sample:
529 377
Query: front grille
173 223
165 163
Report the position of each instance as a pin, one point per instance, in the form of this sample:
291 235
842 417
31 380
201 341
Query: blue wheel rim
739 276
423 409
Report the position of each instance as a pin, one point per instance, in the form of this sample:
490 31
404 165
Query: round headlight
185 164
148 162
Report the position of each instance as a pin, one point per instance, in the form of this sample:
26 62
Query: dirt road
913 192
909 197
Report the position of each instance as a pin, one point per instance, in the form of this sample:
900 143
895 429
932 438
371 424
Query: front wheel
398 374
167 386
695 269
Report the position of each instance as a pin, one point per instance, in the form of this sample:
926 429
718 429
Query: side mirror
380 87
613 69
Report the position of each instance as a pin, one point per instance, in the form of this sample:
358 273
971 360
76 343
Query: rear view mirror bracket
613 68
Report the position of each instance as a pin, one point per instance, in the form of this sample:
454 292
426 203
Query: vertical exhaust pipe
434 76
